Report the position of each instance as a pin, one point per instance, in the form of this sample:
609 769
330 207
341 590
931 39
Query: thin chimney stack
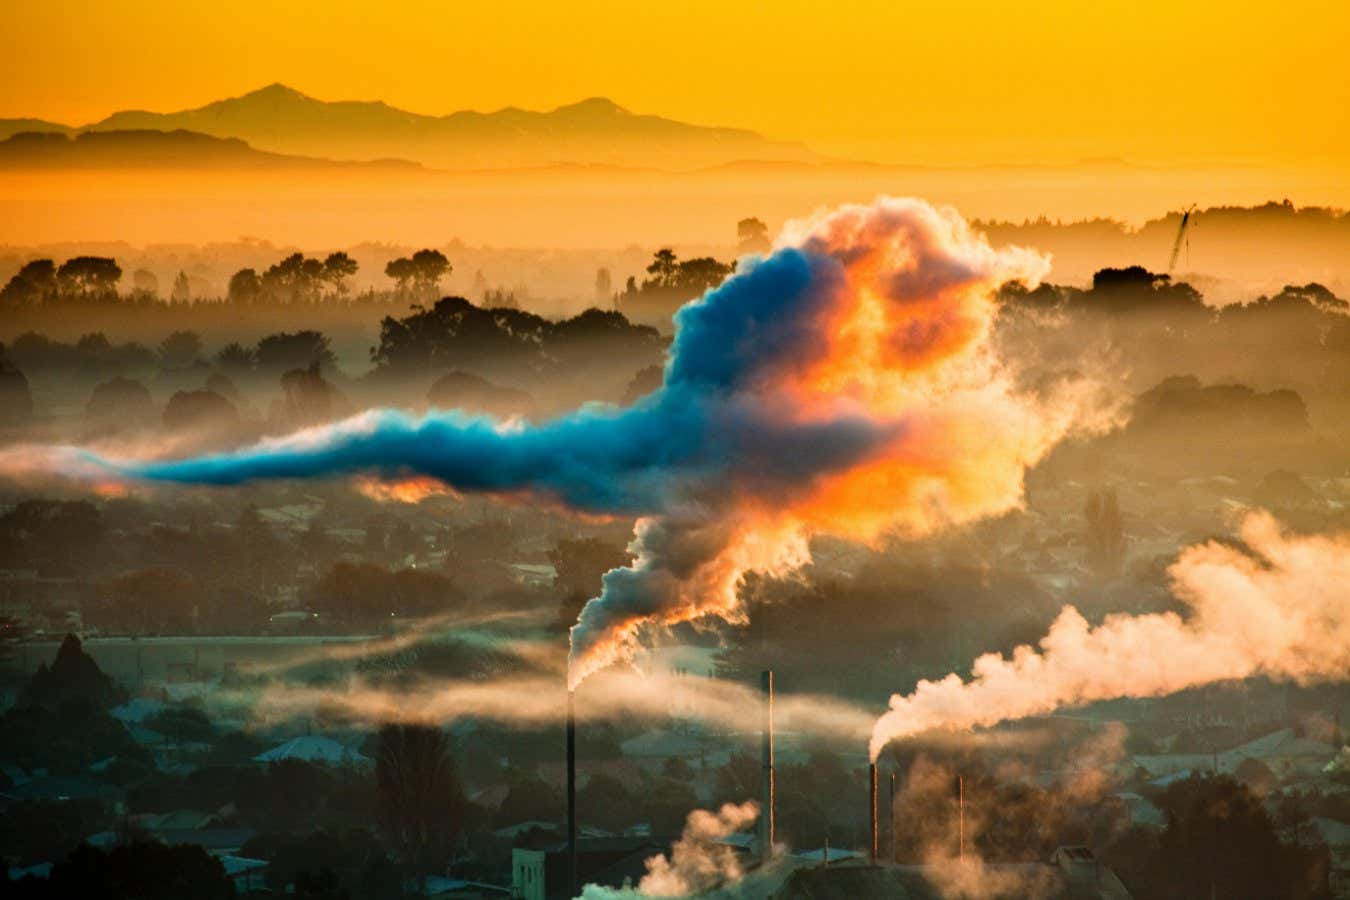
872 807
572 873
766 836
890 809
960 818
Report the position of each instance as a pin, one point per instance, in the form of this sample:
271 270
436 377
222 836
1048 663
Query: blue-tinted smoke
706 428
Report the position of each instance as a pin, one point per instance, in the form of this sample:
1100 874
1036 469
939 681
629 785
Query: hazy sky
949 81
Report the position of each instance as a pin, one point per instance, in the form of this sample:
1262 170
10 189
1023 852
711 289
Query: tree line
295 279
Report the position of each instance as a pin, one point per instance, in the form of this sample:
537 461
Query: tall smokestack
572 874
872 805
766 759
890 809
960 818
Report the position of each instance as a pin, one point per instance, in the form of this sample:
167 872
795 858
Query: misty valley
254 663
716 450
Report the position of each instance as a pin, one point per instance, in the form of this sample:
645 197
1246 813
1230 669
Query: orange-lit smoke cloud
402 490
1280 610
898 336
845 384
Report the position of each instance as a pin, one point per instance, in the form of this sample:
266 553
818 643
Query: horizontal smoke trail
844 384
1280 610
533 700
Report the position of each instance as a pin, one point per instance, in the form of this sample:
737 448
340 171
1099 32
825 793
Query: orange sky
933 81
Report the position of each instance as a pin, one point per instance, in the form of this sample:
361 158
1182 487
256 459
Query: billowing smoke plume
844 384
698 860
1280 609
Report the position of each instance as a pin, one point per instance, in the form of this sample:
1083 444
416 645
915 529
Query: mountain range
281 120
147 149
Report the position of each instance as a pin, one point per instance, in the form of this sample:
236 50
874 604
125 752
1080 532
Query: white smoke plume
698 861
1281 609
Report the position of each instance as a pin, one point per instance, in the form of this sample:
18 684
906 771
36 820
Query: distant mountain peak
593 107
275 91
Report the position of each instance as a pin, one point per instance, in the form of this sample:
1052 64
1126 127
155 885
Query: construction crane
1186 215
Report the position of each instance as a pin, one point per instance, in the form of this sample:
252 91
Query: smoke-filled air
721 450
1277 606
699 861
844 384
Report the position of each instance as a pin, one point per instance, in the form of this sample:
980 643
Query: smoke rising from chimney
845 384
1278 608
697 862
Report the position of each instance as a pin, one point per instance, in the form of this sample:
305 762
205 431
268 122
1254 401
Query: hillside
280 119
146 149
11 127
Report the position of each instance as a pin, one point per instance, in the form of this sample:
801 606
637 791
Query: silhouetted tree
337 268
1105 532
123 402
701 274
89 277
461 390
182 288
663 267
16 399
222 385
604 286
199 409
308 398
429 267
673 282
1220 842
420 803
245 287
752 236
295 279
293 350
500 298
180 349
454 334
34 283
144 285
72 674
402 271
235 358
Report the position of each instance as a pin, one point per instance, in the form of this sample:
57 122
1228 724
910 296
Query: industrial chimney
890 811
961 818
766 753
872 807
572 874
